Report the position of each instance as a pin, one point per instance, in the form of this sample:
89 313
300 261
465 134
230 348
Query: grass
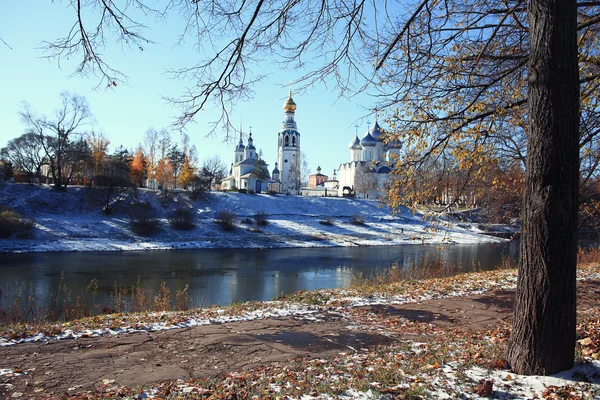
143 219
226 220
12 223
357 220
183 219
260 219
327 222
21 310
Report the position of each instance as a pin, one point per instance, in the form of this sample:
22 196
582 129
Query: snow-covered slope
72 221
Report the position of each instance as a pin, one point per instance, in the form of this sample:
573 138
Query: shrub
144 219
109 191
198 188
357 220
11 223
242 191
226 220
183 219
326 221
260 219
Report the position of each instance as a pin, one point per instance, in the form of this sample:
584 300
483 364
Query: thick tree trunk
543 337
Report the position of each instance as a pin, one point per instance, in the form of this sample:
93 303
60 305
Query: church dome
355 144
289 105
396 144
368 140
240 146
275 170
251 143
376 132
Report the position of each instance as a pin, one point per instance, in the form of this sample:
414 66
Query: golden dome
289 105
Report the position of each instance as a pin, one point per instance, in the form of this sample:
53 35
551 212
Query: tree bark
543 337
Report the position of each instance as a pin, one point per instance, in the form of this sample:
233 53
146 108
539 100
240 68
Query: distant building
288 150
316 179
248 171
320 185
368 169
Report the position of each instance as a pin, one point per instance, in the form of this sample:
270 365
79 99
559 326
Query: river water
225 276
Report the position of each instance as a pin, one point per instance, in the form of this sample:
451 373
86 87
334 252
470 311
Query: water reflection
224 276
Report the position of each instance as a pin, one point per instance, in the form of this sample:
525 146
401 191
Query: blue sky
326 123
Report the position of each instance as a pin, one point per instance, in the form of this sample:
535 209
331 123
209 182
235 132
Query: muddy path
57 368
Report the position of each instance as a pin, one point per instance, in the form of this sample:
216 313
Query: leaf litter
448 364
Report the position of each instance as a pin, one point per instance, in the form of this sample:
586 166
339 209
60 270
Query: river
225 276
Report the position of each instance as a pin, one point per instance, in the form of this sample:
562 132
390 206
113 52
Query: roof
376 132
368 140
355 144
247 161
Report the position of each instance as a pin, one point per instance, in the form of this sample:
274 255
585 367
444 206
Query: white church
364 175
371 161
248 172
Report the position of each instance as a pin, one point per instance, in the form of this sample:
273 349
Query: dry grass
226 220
12 223
183 219
19 306
588 255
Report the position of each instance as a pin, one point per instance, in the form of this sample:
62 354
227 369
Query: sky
325 121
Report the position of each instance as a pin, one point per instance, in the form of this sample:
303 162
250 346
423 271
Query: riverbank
434 338
73 221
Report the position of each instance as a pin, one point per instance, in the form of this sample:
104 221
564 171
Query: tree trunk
543 336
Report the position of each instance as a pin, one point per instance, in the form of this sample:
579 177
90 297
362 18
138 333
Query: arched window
287 140
293 140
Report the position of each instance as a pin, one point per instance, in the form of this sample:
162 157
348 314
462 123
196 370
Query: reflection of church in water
250 173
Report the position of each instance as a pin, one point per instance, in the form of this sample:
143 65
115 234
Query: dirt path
57 368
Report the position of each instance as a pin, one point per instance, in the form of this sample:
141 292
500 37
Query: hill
73 221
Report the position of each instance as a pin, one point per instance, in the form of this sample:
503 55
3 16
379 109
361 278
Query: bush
183 219
11 223
260 219
109 191
326 221
226 220
144 219
242 191
357 220
198 188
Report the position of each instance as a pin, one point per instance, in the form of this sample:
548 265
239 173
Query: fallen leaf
500 364
484 388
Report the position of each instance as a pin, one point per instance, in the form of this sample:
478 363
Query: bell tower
288 150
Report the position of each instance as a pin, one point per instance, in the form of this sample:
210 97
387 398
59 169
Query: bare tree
26 154
304 169
365 181
213 170
61 138
151 152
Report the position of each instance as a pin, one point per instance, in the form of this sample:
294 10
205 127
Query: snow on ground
72 221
